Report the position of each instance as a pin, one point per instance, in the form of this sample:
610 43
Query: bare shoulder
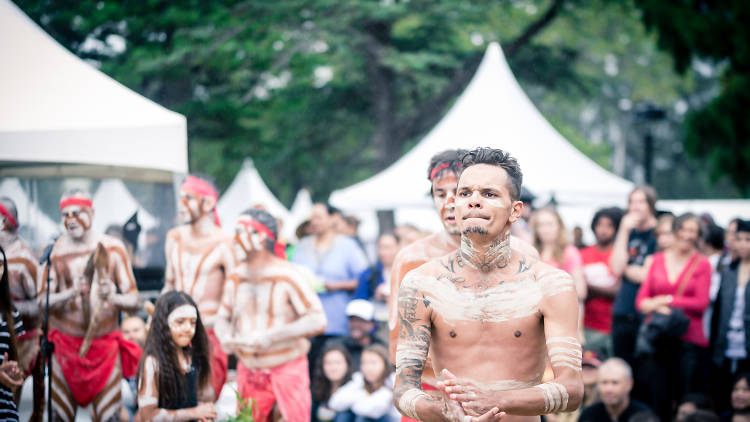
414 251
111 242
552 281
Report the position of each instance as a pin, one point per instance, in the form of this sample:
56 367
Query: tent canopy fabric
58 110
35 226
114 204
246 191
492 111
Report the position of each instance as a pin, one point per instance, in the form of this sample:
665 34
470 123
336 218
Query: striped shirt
8 411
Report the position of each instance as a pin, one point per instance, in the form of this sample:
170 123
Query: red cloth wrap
218 363
87 376
425 387
279 249
203 189
81 202
287 384
4 211
28 334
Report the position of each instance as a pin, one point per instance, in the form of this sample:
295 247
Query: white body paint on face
555 396
443 193
183 311
189 207
76 220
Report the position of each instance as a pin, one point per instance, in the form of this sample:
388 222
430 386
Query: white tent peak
29 215
246 191
114 204
56 108
492 111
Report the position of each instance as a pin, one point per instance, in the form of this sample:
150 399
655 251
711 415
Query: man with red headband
267 313
199 255
443 176
81 311
23 284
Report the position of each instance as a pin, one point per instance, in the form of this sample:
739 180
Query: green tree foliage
323 93
715 31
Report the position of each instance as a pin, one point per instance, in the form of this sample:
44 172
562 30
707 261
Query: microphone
48 250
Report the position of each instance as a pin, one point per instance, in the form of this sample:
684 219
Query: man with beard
84 307
268 311
614 382
443 175
602 285
199 256
23 285
490 317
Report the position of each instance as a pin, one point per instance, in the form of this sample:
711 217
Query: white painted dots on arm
565 352
408 402
555 396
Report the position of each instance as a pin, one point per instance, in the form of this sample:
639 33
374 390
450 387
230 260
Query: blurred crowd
662 298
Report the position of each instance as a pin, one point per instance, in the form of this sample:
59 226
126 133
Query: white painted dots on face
565 352
555 396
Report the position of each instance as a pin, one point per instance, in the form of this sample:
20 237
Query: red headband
438 169
81 202
202 188
278 249
8 216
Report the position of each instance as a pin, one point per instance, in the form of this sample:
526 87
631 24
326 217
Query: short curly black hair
500 158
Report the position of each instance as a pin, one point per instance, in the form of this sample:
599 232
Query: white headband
183 311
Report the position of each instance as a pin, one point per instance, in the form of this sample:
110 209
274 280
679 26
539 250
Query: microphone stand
47 346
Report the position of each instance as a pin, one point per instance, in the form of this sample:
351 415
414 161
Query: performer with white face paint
174 379
267 314
489 315
23 278
95 377
199 256
443 175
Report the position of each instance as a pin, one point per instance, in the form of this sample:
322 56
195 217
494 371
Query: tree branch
512 47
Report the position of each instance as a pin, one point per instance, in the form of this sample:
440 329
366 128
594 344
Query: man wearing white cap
361 315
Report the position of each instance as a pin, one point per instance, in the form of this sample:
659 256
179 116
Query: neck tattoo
497 255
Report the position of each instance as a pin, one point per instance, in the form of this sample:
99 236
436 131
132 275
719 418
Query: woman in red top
672 372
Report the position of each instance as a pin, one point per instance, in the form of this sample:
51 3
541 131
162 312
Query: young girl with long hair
332 370
369 394
175 371
11 377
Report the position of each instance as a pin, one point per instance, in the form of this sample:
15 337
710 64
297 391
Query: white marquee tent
300 211
29 215
248 190
114 204
60 116
492 111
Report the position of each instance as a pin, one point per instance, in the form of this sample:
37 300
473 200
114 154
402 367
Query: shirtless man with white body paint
199 256
267 314
442 173
95 377
23 278
489 315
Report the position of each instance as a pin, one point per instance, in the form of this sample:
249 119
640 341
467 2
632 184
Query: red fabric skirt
287 384
218 364
87 376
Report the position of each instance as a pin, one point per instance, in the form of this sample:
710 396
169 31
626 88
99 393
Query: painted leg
106 404
63 404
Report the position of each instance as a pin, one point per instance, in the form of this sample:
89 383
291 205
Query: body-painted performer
443 175
199 256
267 314
91 282
174 379
489 315
23 278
